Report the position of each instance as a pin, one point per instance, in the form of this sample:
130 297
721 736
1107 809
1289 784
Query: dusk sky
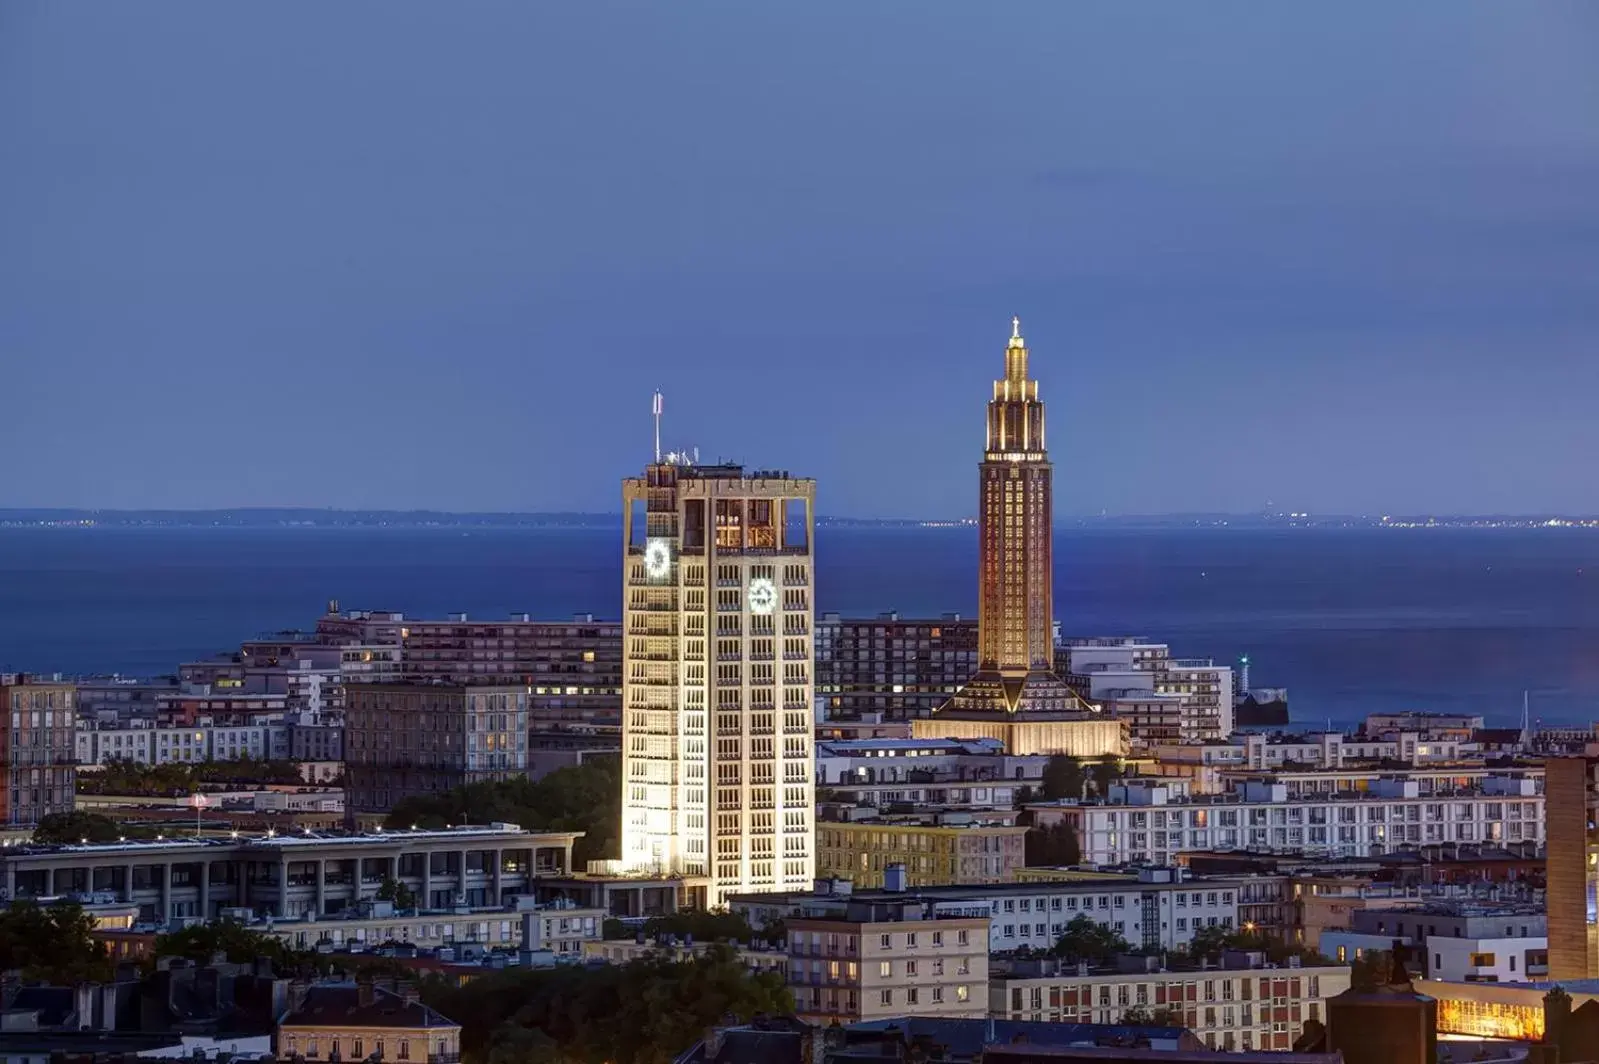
1341 256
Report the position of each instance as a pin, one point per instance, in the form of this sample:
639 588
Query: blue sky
1342 257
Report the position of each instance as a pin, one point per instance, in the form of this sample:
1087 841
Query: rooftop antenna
656 406
1526 727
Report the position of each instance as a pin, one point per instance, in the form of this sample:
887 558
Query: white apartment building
1457 942
1119 668
946 773
1208 763
1158 908
135 740
1145 822
717 676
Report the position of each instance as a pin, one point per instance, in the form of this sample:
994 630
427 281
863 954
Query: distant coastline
306 517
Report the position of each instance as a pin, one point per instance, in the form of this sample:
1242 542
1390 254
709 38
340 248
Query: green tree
80 825
585 797
201 942
1087 940
52 944
644 1012
1063 778
1105 771
1210 943
392 890
1052 847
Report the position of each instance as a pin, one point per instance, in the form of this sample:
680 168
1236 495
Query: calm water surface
1349 621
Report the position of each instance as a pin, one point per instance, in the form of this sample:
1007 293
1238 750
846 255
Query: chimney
298 989
408 992
365 993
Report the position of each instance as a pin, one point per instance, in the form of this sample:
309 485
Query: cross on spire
1015 327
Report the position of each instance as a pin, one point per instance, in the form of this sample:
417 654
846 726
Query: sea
1349 621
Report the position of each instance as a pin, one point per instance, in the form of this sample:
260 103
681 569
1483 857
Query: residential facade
1143 821
37 748
1243 1005
870 960
360 1021
420 738
958 848
896 668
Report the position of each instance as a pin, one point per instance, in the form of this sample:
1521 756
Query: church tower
1016 696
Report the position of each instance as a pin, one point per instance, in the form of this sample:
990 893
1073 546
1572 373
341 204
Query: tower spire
656 406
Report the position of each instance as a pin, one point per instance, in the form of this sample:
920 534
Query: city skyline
1257 276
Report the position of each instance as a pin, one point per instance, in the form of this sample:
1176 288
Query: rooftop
341 1003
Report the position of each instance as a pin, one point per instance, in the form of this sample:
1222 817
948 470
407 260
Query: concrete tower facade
1016 695
717 687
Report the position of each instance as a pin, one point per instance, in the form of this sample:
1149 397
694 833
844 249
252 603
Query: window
910 967
886 997
938 938
961 938
938 995
885 968
910 940
962 993
405 1049
910 996
886 942
1483 960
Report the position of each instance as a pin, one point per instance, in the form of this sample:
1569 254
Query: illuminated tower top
1015 414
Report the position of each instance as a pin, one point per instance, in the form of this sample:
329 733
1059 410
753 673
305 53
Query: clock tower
717 681
1016 695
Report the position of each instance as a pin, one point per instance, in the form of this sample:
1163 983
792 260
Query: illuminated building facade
717 683
1016 695
1571 793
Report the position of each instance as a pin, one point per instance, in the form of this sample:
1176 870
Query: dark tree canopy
1063 778
644 1012
51 944
80 825
584 798
1087 940
1053 846
124 776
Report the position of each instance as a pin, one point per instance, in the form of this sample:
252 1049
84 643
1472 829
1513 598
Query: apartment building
421 738
892 667
1155 908
855 959
140 740
756 958
1124 668
956 847
1145 821
291 876
946 774
572 669
1452 940
1245 1004
37 747
359 1021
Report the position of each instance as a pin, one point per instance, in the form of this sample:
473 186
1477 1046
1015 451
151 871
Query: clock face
763 596
657 559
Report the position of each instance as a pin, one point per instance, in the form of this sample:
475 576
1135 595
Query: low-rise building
757 957
1154 908
358 1021
1145 821
945 774
854 959
1245 1004
292 875
1455 941
144 742
960 847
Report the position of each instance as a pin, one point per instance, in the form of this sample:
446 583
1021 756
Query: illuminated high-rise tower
717 682
1016 695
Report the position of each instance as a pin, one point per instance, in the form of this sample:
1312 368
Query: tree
392 890
52 944
645 1012
1053 846
1063 778
1105 771
78 825
585 797
201 942
1161 1016
1086 940
1209 943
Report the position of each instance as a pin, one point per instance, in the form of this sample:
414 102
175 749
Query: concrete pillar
460 875
498 856
127 882
11 881
165 915
50 881
321 885
283 887
566 857
203 909
427 879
